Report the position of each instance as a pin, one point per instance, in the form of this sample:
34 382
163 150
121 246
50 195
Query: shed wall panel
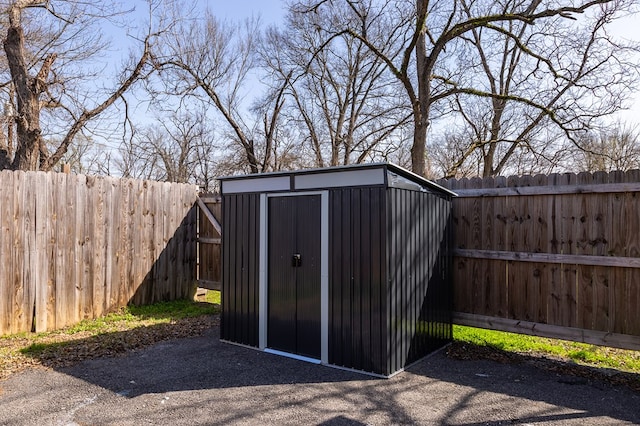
419 275
357 328
240 259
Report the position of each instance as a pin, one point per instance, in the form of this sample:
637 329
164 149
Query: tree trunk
421 104
27 154
418 149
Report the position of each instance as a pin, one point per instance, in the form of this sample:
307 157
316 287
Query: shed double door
293 322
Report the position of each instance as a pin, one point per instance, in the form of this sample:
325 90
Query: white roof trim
363 177
256 184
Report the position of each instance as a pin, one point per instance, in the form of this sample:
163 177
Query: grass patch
129 328
581 353
212 296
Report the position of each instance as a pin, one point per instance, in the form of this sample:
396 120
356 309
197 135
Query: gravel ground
201 381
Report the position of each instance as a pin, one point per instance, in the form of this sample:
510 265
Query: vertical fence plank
62 235
631 225
112 245
109 226
86 243
81 310
98 252
124 237
139 263
554 274
145 233
585 275
499 243
20 288
43 220
515 284
30 269
463 273
599 247
487 243
569 299
166 236
617 247
158 232
541 243
52 250
6 244
180 235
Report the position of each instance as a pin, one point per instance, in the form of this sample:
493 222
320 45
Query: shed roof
384 174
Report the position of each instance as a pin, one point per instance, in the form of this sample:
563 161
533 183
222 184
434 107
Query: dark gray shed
345 266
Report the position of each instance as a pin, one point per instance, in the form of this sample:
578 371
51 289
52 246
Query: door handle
296 260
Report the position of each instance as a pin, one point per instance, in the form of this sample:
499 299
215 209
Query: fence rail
558 252
75 247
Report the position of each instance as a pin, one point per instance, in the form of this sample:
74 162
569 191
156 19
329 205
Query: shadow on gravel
577 373
591 392
199 363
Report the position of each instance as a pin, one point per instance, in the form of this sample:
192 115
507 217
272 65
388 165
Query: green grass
156 313
582 353
114 332
212 297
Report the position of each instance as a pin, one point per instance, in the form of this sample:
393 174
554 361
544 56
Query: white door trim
324 269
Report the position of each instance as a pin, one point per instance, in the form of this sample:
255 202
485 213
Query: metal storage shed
345 266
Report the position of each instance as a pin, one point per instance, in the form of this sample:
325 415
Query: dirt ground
201 381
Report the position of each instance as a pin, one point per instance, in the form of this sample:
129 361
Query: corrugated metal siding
240 260
357 271
419 290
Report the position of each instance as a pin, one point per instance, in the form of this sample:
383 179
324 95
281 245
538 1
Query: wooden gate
209 239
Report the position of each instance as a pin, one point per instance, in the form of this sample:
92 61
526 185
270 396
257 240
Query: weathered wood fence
75 247
209 242
556 255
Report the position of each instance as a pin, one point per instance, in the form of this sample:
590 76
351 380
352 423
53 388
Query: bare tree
420 41
212 61
86 156
613 148
537 87
178 148
49 51
344 101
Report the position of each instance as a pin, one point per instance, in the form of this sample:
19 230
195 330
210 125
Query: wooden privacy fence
75 247
557 255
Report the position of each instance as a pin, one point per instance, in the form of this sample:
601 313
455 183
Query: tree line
449 88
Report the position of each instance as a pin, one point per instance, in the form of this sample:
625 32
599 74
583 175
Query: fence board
6 244
75 247
569 272
108 211
158 233
43 248
87 247
562 250
62 234
21 285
